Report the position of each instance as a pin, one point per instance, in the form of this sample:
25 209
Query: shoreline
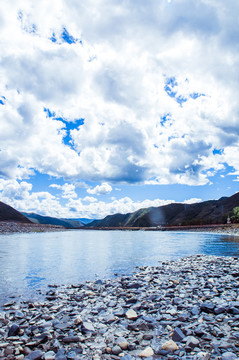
181 309
10 227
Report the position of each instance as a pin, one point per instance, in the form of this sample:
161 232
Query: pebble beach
183 309
9 227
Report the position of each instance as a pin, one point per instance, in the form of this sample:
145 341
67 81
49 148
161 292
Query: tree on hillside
235 216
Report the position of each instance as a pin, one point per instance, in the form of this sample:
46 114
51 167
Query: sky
109 106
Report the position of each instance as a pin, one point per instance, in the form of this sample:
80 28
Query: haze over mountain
48 220
207 212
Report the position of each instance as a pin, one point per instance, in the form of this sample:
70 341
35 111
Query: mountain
7 213
207 212
84 221
48 220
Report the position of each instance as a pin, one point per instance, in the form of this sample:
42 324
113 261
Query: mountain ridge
49 220
8 213
175 214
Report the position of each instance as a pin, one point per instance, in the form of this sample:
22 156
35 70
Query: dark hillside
48 220
7 213
203 213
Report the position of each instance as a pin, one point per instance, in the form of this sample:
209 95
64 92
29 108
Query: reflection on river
32 261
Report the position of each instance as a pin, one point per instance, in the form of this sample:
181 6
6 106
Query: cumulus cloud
67 189
104 188
154 81
90 199
20 196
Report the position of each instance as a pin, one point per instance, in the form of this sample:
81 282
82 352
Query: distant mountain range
203 213
48 220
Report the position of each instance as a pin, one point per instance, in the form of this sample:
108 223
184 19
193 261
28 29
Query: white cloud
67 189
118 79
104 188
90 199
192 201
21 197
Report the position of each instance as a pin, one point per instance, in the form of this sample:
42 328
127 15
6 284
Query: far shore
227 229
8 227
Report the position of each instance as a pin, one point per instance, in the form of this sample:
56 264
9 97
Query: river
29 262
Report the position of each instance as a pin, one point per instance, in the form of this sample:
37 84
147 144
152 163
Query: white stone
123 345
131 314
170 346
147 352
50 355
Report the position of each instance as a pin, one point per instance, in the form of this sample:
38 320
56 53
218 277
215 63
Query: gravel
183 309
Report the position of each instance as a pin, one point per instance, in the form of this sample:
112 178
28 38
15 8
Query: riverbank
227 229
184 309
9 227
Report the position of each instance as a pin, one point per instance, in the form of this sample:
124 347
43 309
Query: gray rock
19 314
220 310
229 356
35 355
116 350
207 308
70 339
192 342
87 327
178 335
14 330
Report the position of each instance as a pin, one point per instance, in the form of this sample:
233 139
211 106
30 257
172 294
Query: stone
131 314
229 356
70 339
178 335
123 345
50 355
20 357
192 342
170 346
78 320
220 310
207 308
14 330
87 327
147 352
116 350
19 314
35 355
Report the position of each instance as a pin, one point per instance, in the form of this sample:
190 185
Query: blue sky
113 106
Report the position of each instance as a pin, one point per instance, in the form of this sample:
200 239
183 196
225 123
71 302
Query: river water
29 262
